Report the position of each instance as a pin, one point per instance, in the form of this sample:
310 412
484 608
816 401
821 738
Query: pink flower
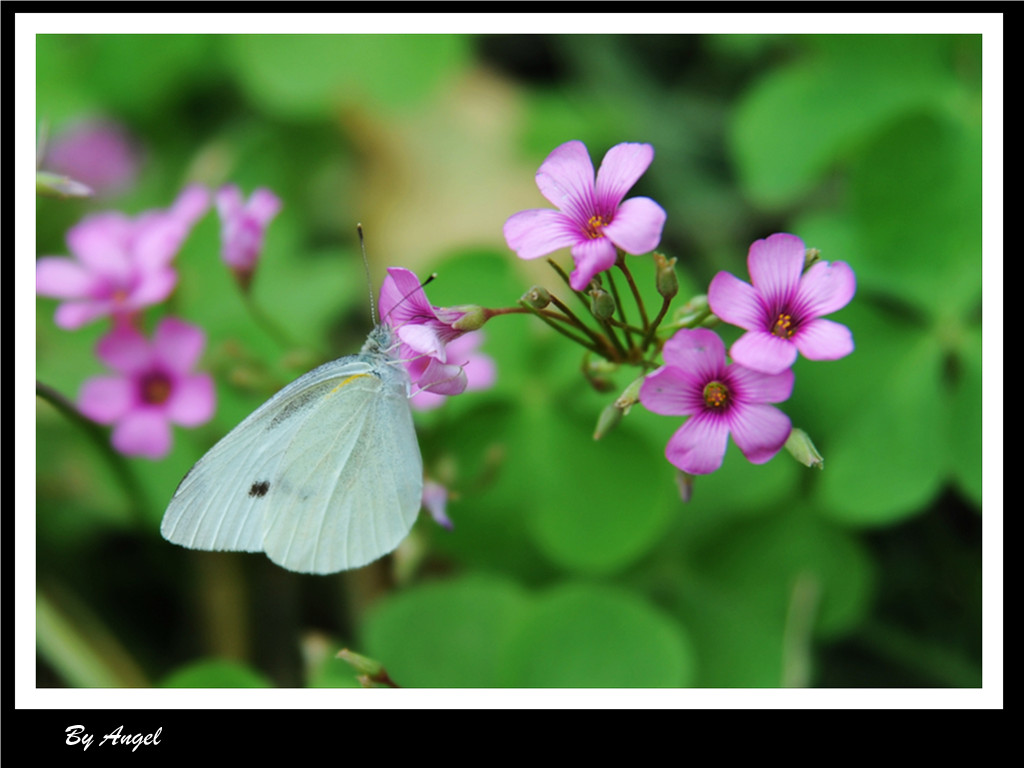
243 225
98 153
591 218
120 264
435 500
719 399
424 332
479 369
153 386
782 311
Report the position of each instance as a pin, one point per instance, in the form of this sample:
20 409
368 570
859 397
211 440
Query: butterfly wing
324 476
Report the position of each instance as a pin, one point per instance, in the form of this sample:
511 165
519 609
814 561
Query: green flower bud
610 417
602 305
812 255
473 319
55 185
537 297
630 395
802 449
668 283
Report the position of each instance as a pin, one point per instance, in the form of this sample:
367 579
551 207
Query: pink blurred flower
243 225
591 218
479 369
424 332
99 153
435 501
153 386
720 400
782 311
119 264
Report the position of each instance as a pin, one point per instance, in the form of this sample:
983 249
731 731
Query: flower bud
684 482
55 185
597 373
537 297
802 449
610 417
630 396
473 318
602 305
668 283
811 256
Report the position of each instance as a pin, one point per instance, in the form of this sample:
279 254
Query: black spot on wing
259 488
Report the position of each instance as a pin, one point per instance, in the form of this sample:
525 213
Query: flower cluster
781 311
119 266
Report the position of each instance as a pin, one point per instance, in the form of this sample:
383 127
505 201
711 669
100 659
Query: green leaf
215 673
453 634
886 460
967 404
916 196
590 636
793 125
308 76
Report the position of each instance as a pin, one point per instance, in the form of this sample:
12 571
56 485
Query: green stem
565 278
620 309
582 342
577 323
118 464
621 264
653 327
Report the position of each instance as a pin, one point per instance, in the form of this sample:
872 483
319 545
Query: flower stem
546 317
597 338
621 310
120 466
565 278
621 264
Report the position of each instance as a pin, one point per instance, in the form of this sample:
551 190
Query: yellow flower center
156 388
716 395
783 326
594 226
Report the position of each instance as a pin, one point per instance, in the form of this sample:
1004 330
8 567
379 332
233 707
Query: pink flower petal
63 278
422 340
755 387
190 205
538 232
101 243
402 299
760 431
153 287
698 447
775 265
699 352
263 206
74 314
825 288
637 225
763 352
566 179
125 350
229 201
105 399
736 302
192 400
177 344
823 339
143 432
622 166
670 391
591 257
442 379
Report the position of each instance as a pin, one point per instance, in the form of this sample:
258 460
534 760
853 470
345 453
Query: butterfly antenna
369 282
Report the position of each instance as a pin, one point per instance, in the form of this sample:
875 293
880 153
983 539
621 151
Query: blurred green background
572 563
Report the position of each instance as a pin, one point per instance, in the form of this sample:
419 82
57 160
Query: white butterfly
324 476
